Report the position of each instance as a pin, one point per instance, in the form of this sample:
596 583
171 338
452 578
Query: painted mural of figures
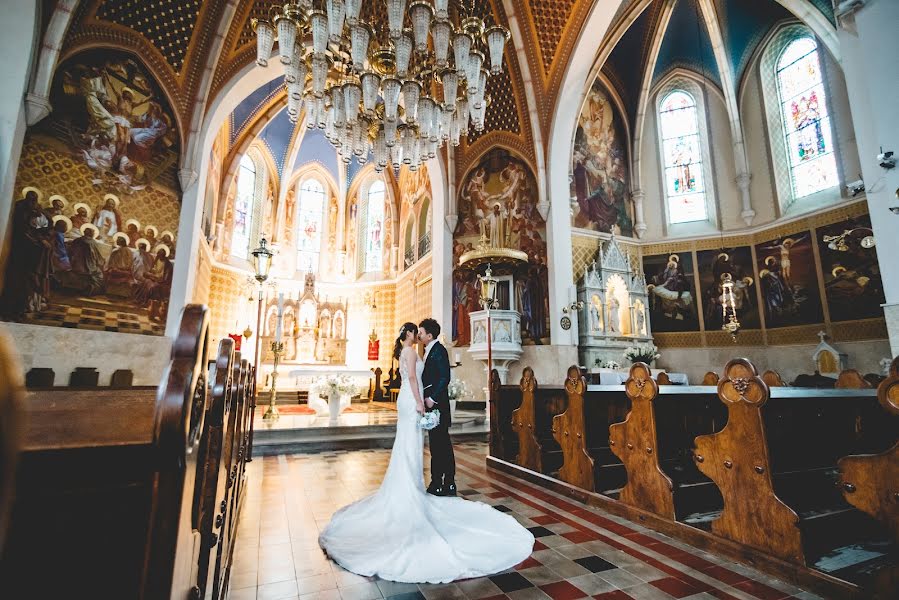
28 266
118 276
108 219
143 261
461 322
121 125
155 290
784 247
86 275
290 202
81 216
599 175
776 293
497 227
670 291
59 256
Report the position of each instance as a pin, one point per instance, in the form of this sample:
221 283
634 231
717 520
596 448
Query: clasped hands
427 403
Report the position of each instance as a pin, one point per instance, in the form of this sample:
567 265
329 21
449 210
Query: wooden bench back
524 423
569 430
11 426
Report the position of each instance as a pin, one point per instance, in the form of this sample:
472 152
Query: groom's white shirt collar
428 348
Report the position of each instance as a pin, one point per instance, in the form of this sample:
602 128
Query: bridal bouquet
330 385
645 353
456 389
429 420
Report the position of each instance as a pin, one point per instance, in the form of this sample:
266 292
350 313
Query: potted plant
597 365
644 353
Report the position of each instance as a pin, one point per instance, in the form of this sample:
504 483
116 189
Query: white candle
280 317
457 357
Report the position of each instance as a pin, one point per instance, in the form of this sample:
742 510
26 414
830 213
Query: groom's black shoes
449 490
435 489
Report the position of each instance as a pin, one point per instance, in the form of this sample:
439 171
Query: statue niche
614 313
314 331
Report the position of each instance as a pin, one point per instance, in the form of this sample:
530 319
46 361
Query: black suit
435 378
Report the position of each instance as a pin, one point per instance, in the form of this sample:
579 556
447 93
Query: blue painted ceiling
686 44
245 111
744 23
316 148
277 136
627 62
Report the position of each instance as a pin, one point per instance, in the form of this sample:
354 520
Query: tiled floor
580 552
363 415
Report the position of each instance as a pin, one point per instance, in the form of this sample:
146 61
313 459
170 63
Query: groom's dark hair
431 326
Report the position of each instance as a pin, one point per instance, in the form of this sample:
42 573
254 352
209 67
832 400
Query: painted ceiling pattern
180 40
167 24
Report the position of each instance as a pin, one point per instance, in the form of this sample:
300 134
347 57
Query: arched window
373 247
682 153
807 131
244 207
409 246
310 213
424 228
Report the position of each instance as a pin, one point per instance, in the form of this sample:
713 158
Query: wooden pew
524 423
710 378
850 379
11 426
775 463
771 378
663 379
635 442
751 473
871 482
570 432
112 489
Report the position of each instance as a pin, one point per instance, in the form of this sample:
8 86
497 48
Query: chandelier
398 92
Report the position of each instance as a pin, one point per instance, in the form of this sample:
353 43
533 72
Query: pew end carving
736 459
773 379
11 425
569 430
850 379
635 442
710 378
496 444
524 423
870 482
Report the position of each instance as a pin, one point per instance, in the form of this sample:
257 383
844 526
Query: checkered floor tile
580 552
98 319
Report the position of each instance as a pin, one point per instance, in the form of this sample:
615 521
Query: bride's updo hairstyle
406 329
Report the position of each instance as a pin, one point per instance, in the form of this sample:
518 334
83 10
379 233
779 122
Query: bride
400 533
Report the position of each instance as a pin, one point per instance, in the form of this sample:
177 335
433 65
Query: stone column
19 31
867 34
638 197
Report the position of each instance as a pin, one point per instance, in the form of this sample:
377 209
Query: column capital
37 108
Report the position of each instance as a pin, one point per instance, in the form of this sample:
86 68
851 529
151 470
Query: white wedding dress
400 533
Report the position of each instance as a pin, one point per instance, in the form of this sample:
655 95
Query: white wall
19 31
762 190
789 361
63 349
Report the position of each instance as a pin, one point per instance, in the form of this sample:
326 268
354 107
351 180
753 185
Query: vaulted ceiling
195 49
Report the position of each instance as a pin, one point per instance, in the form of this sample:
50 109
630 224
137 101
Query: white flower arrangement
456 389
611 364
645 353
329 385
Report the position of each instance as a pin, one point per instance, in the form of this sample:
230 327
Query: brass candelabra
271 413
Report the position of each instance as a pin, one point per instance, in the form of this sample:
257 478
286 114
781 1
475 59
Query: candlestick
457 358
280 317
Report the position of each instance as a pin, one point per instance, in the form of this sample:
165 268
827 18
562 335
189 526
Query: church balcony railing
424 244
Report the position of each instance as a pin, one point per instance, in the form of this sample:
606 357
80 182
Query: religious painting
599 176
672 297
97 203
852 283
498 208
788 281
713 266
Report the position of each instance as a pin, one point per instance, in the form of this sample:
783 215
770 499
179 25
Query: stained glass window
374 229
682 152
309 223
243 207
806 122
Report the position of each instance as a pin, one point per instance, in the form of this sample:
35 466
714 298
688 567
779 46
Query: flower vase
334 407
453 406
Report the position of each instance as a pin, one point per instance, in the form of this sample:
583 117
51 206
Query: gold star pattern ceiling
502 114
167 24
550 18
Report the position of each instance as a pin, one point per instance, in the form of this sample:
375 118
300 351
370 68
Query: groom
435 378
